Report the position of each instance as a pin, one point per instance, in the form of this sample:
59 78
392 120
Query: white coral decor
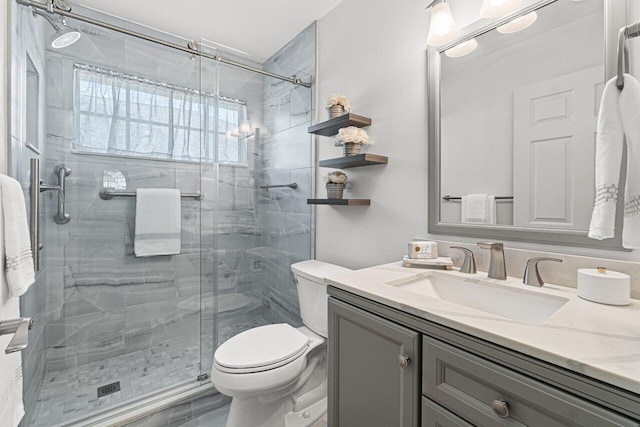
336 177
338 99
353 135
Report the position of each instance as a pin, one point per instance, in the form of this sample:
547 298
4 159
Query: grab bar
448 198
625 33
37 186
293 186
106 194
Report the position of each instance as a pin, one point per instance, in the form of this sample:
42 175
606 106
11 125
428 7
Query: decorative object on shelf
336 181
338 105
352 139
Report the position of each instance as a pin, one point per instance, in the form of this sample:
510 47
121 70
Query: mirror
513 113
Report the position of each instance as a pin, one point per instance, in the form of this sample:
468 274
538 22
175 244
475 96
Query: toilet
277 374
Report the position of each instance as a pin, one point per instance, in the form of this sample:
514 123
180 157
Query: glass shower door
112 328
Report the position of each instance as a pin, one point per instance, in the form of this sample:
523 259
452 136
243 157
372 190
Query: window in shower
124 115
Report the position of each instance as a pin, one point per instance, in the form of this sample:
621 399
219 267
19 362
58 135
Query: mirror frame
615 18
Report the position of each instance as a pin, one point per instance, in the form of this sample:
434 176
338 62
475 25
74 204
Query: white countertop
600 341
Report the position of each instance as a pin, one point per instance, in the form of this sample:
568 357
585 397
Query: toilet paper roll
604 287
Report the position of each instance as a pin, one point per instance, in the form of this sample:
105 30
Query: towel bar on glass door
448 198
106 194
625 33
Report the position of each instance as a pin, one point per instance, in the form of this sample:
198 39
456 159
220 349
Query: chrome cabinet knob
404 361
500 408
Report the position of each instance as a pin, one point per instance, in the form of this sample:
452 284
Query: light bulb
462 49
443 28
518 24
497 8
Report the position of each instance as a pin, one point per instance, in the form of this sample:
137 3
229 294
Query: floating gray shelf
340 202
331 127
358 160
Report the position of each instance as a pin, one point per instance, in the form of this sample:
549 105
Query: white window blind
119 114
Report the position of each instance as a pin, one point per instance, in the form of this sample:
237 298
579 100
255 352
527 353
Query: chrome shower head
64 36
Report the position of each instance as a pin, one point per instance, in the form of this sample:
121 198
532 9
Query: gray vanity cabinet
374 370
452 379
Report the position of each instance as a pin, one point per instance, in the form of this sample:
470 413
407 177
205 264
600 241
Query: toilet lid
262 346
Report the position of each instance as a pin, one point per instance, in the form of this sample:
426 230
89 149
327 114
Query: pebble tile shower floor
72 393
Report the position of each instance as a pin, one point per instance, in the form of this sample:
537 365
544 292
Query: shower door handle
37 187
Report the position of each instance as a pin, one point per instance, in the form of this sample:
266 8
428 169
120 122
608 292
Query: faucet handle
469 264
532 274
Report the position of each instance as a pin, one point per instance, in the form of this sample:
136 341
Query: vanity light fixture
443 28
518 24
462 49
497 8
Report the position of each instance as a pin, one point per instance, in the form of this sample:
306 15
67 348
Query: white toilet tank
312 292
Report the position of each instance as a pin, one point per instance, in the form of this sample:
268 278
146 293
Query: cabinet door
367 384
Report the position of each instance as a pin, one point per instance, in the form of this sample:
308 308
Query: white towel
478 209
157 222
17 243
11 405
618 117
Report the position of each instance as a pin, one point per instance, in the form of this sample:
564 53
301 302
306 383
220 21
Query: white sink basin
502 300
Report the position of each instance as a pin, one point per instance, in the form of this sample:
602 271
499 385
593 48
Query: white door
554 148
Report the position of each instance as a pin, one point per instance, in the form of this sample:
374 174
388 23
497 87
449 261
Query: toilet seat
261 349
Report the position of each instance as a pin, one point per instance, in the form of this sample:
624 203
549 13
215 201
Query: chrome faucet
20 330
532 275
497 267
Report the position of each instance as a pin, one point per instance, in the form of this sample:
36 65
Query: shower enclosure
120 112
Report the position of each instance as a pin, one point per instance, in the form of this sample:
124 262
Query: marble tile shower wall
288 155
27 36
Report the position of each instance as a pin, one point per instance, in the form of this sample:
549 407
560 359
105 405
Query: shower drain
108 389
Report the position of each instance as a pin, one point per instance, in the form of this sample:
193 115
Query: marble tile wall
288 155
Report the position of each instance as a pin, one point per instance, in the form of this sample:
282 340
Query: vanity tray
441 262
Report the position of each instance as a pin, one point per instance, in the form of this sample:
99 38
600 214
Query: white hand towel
619 118
629 103
157 222
609 140
17 243
478 209
11 405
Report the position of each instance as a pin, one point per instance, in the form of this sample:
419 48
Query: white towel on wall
630 113
157 222
17 243
11 405
478 209
618 117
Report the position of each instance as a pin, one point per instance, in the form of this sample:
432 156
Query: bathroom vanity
403 353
